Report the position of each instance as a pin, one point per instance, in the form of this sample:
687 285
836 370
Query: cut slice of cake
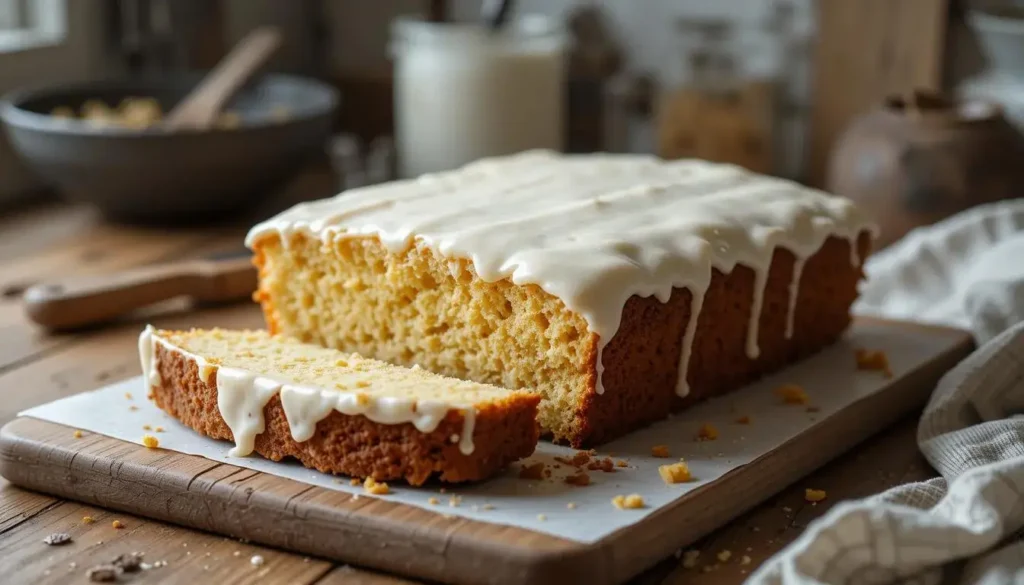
335 412
619 287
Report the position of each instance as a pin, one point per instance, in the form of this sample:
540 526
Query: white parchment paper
830 378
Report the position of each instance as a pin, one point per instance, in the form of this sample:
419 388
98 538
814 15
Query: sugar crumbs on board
814 496
873 360
792 394
707 432
377 488
579 479
675 473
630 502
534 471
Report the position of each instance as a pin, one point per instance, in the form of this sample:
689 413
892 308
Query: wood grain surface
36 367
385 535
865 51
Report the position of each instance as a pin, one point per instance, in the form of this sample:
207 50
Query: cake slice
335 412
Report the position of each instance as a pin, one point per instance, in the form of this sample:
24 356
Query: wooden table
36 367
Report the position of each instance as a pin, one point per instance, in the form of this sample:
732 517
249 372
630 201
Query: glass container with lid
463 92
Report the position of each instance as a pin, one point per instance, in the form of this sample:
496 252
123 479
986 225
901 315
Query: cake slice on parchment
333 411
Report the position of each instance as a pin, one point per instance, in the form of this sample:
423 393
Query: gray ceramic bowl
153 175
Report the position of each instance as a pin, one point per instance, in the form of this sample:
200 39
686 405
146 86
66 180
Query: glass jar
463 92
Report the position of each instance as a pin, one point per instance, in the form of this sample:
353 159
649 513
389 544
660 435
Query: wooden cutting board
398 538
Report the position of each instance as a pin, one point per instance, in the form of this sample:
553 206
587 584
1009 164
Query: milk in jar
463 92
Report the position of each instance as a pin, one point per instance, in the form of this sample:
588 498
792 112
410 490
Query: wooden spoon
200 108
91 300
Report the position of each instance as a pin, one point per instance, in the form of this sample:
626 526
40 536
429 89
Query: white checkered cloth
965 526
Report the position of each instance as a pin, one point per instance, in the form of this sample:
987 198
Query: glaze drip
242 395
591 230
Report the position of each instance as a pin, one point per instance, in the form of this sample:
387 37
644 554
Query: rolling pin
91 300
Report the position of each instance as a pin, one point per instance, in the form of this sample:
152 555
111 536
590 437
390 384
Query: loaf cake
619 287
333 411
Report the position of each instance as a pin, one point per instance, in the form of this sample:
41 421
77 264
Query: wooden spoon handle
79 302
200 108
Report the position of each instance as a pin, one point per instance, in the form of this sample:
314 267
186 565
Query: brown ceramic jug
921 158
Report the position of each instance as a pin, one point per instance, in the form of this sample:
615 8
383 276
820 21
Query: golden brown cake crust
641 361
354 445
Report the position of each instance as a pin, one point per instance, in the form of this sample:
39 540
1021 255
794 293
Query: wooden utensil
200 108
79 302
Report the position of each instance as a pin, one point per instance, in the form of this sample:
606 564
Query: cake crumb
792 394
57 539
675 472
433 501
541 517
814 496
147 428
631 502
487 507
117 524
579 479
621 463
133 408
354 481
872 360
377 488
150 441
532 471
571 505
690 559
454 501
581 458
158 429
77 434
128 395
743 420
745 560
660 451
707 432
606 465
88 519
724 556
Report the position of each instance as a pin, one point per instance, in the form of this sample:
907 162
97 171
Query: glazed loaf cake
333 411
620 288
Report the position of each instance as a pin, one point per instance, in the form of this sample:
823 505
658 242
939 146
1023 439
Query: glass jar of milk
464 92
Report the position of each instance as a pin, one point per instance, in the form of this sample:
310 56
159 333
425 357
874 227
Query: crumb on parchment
630 502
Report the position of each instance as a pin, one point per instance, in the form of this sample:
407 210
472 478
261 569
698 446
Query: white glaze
242 396
592 230
794 292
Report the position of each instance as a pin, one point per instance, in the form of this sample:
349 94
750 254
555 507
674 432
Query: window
45 41
11 12
25 24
